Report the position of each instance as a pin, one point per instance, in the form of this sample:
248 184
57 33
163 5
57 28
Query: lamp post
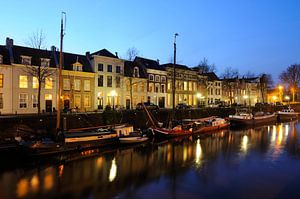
174 72
293 94
113 94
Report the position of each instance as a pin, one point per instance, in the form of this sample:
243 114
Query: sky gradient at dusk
257 36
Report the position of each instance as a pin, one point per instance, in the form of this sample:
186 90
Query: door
48 106
161 102
127 103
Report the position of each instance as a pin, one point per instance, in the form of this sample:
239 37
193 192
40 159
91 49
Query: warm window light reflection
184 153
287 130
245 143
198 152
280 132
99 162
48 179
273 137
34 183
112 171
60 170
22 188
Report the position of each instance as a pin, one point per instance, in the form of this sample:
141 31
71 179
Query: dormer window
136 72
151 77
77 66
1 59
26 60
45 62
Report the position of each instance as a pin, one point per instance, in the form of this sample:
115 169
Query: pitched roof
211 76
129 67
36 54
178 66
104 52
148 63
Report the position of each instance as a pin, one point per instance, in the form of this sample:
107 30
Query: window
45 62
136 72
118 69
100 80
118 82
100 67
23 100
157 88
48 83
1 100
135 88
142 88
34 101
35 82
77 84
109 81
162 88
48 97
66 84
163 79
23 81
26 60
87 85
109 68
151 77
185 86
1 80
1 59
87 101
77 101
151 87
157 78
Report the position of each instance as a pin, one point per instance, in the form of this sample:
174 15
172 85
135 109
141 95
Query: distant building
214 89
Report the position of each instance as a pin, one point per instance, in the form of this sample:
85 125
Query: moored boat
287 114
132 139
169 133
209 124
244 119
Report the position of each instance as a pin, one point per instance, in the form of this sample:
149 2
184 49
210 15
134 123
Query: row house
156 80
186 85
243 91
214 89
18 85
135 80
109 73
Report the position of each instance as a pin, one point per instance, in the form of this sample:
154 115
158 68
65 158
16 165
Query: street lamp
287 98
113 94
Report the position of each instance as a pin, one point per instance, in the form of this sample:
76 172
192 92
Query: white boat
132 139
244 119
287 114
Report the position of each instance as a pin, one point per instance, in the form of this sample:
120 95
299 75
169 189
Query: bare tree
42 71
204 67
249 74
230 85
132 53
230 73
291 76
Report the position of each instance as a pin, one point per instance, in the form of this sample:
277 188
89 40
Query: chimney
9 46
88 57
53 49
157 61
116 54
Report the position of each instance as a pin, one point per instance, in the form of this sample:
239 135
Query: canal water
255 163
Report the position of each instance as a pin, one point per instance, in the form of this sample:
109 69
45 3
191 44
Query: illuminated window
77 101
35 82
1 100
151 87
109 81
135 88
23 81
48 83
23 100
77 84
185 86
66 84
87 101
48 97
34 101
87 85
142 87
1 80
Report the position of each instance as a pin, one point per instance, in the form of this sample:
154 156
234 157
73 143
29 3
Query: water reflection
165 169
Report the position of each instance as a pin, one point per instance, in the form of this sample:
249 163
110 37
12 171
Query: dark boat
246 119
208 124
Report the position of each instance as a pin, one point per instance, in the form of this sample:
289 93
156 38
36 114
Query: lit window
77 84
109 81
135 88
1 80
35 82
23 81
48 83
118 82
142 88
48 97
23 100
151 87
34 101
87 101
185 86
1 100
77 101
66 84
87 85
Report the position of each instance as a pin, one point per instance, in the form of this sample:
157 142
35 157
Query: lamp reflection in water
244 145
34 183
22 187
198 152
112 171
287 130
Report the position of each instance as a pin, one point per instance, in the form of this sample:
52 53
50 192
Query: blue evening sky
249 35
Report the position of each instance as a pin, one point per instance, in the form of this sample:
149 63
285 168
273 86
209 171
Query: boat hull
287 116
132 140
253 121
166 133
205 129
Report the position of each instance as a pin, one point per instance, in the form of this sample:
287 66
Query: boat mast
63 14
174 76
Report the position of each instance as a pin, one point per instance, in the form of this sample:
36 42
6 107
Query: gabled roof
178 66
211 76
129 68
36 54
104 52
148 63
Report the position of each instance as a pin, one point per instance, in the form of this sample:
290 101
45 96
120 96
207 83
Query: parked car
148 105
183 106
